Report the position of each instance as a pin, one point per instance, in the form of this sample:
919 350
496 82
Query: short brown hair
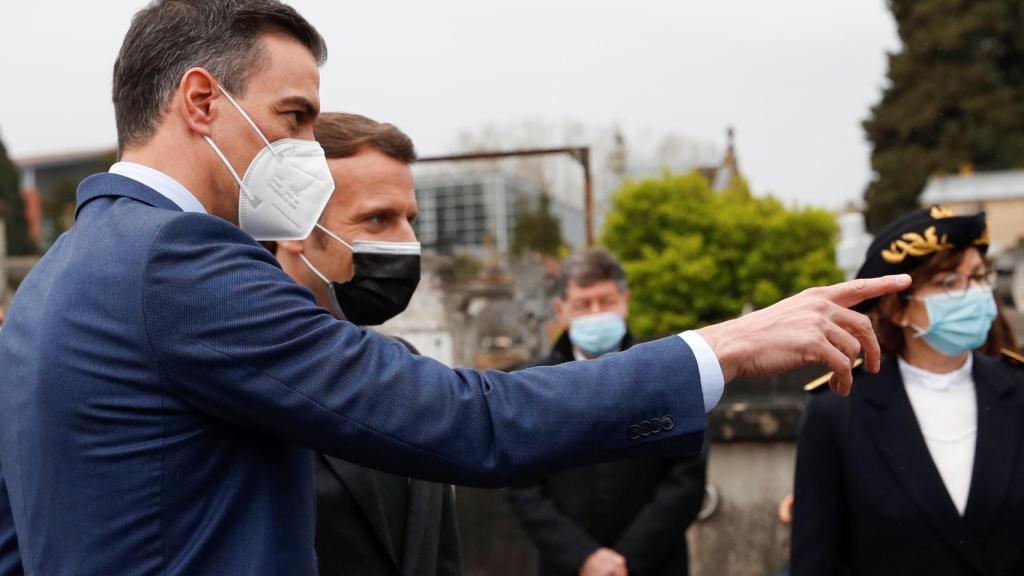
890 335
344 135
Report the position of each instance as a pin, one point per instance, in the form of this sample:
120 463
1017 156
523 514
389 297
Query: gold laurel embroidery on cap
985 238
914 244
940 212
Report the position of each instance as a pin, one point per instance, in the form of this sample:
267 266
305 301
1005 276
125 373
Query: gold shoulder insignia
1012 358
817 383
940 212
914 244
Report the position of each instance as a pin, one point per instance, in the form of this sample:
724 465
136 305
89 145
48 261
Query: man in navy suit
165 384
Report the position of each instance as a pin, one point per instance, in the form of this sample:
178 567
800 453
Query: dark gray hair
589 267
168 37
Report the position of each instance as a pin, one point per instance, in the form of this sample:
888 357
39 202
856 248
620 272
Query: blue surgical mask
958 325
597 334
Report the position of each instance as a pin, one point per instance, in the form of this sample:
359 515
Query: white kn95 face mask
285 188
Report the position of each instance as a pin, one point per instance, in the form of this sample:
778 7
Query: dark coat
353 535
869 499
370 522
639 508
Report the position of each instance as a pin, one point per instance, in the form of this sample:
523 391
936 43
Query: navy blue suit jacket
163 385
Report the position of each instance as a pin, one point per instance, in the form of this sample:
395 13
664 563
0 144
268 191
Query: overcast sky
795 77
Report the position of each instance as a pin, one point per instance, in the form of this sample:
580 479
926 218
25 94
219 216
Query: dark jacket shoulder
562 352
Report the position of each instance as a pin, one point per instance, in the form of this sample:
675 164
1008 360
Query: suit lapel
999 436
359 482
894 429
423 527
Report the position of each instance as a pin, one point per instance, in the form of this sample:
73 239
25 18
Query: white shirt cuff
712 381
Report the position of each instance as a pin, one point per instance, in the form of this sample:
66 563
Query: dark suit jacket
164 384
363 527
353 535
869 499
640 508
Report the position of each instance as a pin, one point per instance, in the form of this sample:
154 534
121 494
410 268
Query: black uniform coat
371 523
870 501
639 508
355 537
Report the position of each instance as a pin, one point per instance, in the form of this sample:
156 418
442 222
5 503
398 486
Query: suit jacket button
667 423
655 425
645 428
633 432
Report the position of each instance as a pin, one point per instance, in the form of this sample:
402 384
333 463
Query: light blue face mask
958 325
597 334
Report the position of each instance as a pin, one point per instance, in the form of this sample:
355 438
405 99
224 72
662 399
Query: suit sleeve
235 338
557 537
820 517
10 558
660 527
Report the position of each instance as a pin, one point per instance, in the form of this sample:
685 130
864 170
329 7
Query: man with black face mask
362 263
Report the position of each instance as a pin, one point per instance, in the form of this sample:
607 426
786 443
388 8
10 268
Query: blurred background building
469 213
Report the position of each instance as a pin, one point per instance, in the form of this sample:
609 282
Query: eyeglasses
956 285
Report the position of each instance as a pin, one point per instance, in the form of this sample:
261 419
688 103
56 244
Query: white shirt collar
162 183
914 376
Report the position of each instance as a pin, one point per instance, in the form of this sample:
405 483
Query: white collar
914 376
162 183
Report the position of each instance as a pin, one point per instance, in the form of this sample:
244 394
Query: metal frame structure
580 154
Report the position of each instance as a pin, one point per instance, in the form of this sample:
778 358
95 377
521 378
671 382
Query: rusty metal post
588 195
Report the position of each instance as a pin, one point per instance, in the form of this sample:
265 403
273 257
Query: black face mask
379 290
385 277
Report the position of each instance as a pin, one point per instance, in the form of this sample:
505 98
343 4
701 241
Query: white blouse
947 411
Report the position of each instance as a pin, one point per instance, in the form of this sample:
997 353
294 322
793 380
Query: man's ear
198 91
627 298
293 247
560 312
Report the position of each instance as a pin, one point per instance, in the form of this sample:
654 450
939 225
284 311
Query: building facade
999 194
48 185
471 213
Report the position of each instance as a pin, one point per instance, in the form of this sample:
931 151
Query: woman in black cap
921 469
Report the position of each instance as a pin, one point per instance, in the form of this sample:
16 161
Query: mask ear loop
335 305
343 243
336 237
315 271
919 332
248 119
241 186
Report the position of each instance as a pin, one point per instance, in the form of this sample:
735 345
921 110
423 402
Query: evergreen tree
955 96
12 207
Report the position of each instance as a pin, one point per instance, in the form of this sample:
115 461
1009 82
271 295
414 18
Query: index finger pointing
848 294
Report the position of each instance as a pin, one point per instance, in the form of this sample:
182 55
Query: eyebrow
301 102
384 210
